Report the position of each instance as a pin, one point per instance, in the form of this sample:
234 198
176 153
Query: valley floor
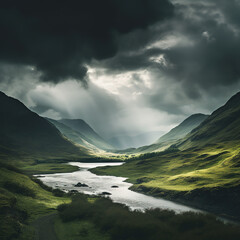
23 199
207 178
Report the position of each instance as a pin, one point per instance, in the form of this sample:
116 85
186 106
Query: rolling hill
173 135
23 131
183 128
87 133
72 135
222 126
201 170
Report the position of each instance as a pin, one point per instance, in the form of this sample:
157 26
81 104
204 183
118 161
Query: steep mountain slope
86 132
22 130
183 128
223 125
204 169
71 134
173 136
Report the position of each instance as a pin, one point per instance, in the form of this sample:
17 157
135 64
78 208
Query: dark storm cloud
184 64
11 75
213 58
60 37
209 59
231 10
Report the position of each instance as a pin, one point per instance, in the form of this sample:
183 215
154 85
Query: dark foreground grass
114 221
22 200
78 229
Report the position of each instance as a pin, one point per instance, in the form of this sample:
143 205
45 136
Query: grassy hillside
74 136
22 200
87 133
202 170
183 128
23 131
207 177
223 125
173 136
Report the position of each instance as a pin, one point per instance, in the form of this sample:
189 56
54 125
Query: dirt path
44 227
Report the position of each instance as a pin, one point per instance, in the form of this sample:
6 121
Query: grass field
22 201
183 171
103 219
170 175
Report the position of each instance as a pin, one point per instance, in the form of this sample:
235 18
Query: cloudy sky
124 66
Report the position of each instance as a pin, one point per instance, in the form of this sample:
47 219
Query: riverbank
206 179
23 200
115 188
221 202
205 199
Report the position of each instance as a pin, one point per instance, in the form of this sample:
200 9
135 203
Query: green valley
120 120
172 136
201 170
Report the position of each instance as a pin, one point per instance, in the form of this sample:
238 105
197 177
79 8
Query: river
116 186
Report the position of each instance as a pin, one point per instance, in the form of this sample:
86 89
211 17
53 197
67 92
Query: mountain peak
73 120
78 125
194 117
235 96
221 126
87 131
234 100
183 128
26 131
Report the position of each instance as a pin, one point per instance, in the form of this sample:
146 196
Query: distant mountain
223 125
183 128
173 136
129 141
86 133
67 131
22 130
71 134
202 169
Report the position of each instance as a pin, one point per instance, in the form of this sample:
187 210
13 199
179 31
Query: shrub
78 209
58 192
155 224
